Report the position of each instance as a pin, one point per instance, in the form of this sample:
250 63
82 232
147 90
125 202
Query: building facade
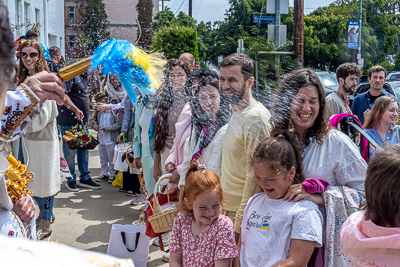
122 25
48 14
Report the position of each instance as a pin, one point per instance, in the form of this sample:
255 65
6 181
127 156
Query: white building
49 13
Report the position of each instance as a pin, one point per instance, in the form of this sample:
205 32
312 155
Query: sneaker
165 239
102 178
131 193
44 229
121 189
139 200
165 257
111 179
89 184
72 186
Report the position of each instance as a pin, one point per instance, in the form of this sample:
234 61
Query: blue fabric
69 155
111 54
45 204
148 167
362 102
391 137
137 141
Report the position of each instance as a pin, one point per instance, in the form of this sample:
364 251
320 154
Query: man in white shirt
248 127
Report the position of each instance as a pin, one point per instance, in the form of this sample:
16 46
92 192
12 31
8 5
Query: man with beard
364 101
346 75
248 127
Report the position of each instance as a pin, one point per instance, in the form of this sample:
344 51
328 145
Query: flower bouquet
80 138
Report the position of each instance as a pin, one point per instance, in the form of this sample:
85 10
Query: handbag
129 241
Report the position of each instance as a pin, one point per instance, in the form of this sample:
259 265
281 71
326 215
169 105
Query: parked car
328 80
394 75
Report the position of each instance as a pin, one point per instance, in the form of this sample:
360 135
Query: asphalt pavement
84 218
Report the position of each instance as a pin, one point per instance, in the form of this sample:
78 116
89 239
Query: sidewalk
84 218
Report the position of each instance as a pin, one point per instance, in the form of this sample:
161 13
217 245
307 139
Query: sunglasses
31 55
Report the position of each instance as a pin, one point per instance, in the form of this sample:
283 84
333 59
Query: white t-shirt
144 122
269 225
105 137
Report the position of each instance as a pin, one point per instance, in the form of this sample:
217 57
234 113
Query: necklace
311 140
148 104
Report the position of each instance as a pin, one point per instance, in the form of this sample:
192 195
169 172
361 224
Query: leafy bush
172 41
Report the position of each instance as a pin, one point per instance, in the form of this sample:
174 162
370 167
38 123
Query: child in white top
108 130
201 236
278 229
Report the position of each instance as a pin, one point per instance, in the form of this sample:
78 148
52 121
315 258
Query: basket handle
155 190
126 153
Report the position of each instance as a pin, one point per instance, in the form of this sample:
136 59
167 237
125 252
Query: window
17 12
37 15
71 12
26 16
71 41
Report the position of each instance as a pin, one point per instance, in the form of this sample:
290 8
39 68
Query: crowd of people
255 187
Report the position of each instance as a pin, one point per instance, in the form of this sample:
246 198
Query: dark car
328 80
388 86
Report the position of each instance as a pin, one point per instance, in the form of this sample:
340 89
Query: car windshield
328 79
396 89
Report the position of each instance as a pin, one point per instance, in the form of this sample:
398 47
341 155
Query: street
84 218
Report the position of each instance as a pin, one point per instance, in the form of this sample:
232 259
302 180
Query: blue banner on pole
353 34
264 19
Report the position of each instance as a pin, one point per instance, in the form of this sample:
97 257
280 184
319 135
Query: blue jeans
46 205
69 155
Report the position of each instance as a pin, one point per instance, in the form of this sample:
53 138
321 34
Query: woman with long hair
328 154
210 119
380 123
173 99
32 60
41 139
173 164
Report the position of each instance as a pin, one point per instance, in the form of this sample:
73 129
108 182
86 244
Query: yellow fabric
247 128
118 180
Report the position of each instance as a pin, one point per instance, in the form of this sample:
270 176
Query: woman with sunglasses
32 60
41 139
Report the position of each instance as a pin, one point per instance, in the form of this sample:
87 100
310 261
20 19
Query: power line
199 7
180 6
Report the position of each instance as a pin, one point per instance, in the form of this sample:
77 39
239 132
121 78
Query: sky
213 10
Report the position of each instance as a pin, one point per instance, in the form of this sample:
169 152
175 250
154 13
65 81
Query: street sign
264 19
352 34
284 6
361 62
271 33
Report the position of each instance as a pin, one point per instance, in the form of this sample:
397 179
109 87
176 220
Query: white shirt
269 225
144 122
337 161
105 120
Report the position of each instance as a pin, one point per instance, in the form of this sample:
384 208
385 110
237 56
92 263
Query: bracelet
171 170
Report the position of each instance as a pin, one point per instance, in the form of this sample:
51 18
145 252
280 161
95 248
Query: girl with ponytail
286 228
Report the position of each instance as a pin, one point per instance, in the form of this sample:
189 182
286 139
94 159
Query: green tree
174 40
94 22
163 18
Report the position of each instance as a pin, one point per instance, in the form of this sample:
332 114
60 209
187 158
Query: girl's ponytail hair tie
201 167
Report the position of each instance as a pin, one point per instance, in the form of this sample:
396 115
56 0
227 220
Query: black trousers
131 182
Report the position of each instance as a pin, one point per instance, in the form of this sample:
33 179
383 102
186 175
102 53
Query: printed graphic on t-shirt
254 221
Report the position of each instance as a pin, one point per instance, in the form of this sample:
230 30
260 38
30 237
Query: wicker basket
163 221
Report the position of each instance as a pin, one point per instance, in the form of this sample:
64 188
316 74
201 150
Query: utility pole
298 31
359 34
277 22
162 5
190 8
